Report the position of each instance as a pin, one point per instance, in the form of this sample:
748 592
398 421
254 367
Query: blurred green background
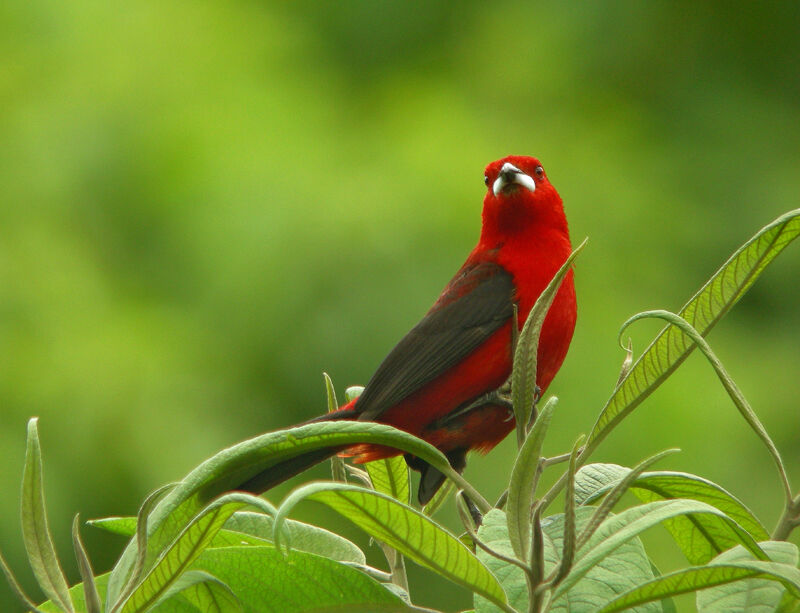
207 204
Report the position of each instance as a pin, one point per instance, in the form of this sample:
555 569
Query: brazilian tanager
432 383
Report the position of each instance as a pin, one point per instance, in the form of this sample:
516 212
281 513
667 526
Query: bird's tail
278 473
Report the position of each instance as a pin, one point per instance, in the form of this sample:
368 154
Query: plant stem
788 521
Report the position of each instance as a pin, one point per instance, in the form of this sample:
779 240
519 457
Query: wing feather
475 304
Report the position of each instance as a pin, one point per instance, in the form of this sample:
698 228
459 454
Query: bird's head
519 197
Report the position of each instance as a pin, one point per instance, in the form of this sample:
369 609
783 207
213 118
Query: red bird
431 383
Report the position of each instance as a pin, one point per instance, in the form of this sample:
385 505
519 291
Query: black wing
478 301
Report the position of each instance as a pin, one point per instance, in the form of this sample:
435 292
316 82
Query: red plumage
525 233
462 348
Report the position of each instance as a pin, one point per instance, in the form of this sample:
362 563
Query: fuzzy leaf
35 531
736 575
265 579
752 595
618 529
390 476
232 466
670 347
521 484
700 537
523 375
405 529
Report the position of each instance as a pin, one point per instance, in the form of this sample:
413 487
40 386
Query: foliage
197 547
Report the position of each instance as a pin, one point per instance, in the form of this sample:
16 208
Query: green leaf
141 544
667 604
615 493
752 595
728 383
189 544
16 587
338 471
439 498
353 392
523 375
405 529
35 531
264 579
595 480
493 532
390 476
670 347
522 482
700 537
570 529
203 591
245 527
620 570
305 537
123 526
331 393
77 595
719 573
618 529
93 604
235 465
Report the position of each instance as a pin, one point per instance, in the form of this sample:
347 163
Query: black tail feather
287 469
278 473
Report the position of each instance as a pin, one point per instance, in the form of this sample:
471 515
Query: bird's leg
498 397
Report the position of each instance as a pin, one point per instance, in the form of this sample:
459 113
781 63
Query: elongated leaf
570 528
702 577
493 532
618 529
245 527
141 543
265 579
331 393
439 498
670 348
77 595
305 537
203 591
752 595
35 531
523 375
237 464
338 471
730 386
353 392
124 526
620 571
667 603
390 476
522 482
177 558
595 480
616 492
405 529
22 597
93 604
700 537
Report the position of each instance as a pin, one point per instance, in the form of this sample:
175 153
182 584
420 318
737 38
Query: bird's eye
486 179
539 172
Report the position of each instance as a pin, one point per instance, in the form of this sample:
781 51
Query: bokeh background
205 205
